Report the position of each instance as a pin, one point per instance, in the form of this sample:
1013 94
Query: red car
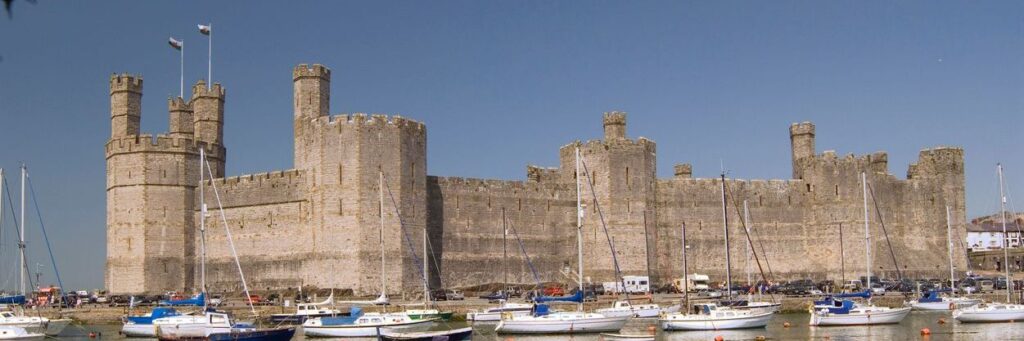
554 291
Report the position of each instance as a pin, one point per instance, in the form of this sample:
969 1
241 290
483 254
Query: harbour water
909 329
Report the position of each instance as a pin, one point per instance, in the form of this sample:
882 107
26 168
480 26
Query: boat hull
945 305
889 316
623 312
982 316
561 326
138 330
444 316
494 316
365 330
697 323
50 328
18 333
462 334
298 319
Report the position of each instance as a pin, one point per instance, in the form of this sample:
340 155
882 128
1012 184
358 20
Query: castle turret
180 121
614 125
801 135
312 95
208 117
125 105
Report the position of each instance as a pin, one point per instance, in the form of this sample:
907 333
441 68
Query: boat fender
926 331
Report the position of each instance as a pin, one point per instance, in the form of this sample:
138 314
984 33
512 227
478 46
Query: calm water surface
910 329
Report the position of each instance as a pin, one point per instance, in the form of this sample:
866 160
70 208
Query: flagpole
209 59
181 82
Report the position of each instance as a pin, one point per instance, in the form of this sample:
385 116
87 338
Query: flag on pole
176 44
204 29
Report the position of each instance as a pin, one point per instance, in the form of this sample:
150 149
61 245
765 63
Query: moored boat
847 313
18 333
625 308
990 312
931 300
710 316
460 334
304 311
367 325
494 314
142 325
561 323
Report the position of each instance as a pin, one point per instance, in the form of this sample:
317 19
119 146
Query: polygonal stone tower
622 174
151 184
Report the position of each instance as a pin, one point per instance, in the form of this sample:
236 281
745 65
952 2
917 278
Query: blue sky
503 84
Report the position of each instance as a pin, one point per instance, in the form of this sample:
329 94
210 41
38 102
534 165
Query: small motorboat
33 324
220 326
18 333
630 337
460 334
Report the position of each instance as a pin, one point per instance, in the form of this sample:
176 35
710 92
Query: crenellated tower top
614 125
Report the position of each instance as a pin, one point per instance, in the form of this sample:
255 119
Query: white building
988 235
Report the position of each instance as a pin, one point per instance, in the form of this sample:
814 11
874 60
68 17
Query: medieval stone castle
319 225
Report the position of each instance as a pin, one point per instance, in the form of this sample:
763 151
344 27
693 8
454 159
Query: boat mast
426 282
949 239
504 257
1002 212
725 227
202 224
867 229
1 201
579 226
746 226
380 187
686 278
842 257
20 243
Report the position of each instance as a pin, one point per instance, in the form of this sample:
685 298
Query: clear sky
503 84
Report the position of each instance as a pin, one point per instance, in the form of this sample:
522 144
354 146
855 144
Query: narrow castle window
341 207
520 204
837 190
340 172
760 200
628 186
810 188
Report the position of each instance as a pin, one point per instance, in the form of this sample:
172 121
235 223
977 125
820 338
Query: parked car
554 291
709 294
216 300
495 296
878 289
257 300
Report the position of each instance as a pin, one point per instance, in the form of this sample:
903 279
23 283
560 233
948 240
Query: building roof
989 226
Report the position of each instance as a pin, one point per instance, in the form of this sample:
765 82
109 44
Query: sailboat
711 316
845 312
216 325
493 314
368 324
16 317
750 303
544 322
305 311
426 312
995 312
931 299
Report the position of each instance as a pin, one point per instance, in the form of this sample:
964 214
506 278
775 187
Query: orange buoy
942 321
926 331
719 338
92 335
785 324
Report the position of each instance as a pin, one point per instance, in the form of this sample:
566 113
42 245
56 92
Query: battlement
937 161
125 82
683 170
374 120
538 174
614 125
178 104
315 71
200 90
279 177
160 143
802 128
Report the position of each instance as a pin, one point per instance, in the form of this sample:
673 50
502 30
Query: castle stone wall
320 224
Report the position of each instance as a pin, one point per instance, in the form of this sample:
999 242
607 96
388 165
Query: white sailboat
846 312
305 311
750 303
16 317
565 322
932 300
368 324
995 312
711 316
216 324
493 314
